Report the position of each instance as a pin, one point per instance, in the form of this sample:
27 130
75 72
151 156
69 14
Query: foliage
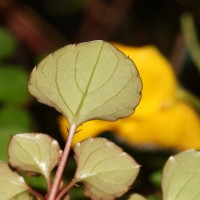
8 43
105 171
97 89
164 118
13 94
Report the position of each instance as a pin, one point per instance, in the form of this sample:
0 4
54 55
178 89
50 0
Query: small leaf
91 80
34 153
5 135
137 197
24 196
181 176
36 182
8 43
13 85
12 120
14 116
11 184
105 170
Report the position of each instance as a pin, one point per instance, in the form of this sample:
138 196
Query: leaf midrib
88 85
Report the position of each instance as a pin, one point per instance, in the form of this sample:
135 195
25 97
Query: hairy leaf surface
12 185
181 176
104 169
137 197
90 80
34 153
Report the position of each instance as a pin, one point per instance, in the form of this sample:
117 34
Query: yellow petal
160 119
175 127
88 129
159 81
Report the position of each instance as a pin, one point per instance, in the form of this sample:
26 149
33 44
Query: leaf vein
89 156
75 73
88 84
108 80
58 89
109 99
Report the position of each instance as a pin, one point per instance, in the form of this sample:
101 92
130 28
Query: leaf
24 196
36 182
14 116
12 120
35 153
13 85
91 80
181 176
11 184
105 170
8 43
137 197
5 136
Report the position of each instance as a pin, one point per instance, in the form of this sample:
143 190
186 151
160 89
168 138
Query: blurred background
30 29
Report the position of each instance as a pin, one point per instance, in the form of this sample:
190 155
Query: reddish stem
35 193
66 189
58 177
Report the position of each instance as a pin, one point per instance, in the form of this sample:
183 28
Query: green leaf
12 120
155 178
104 169
34 153
5 135
36 182
91 80
181 176
8 43
11 184
13 85
14 116
137 197
24 196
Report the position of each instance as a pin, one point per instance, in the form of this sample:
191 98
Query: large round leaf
12 185
104 169
37 153
91 80
181 177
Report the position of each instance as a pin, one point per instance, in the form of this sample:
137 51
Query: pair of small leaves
32 153
104 169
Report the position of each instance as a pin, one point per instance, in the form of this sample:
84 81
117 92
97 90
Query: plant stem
48 181
190 35
65 190
61 167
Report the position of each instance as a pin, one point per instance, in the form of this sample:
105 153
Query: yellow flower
178 127
161 119
159 82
